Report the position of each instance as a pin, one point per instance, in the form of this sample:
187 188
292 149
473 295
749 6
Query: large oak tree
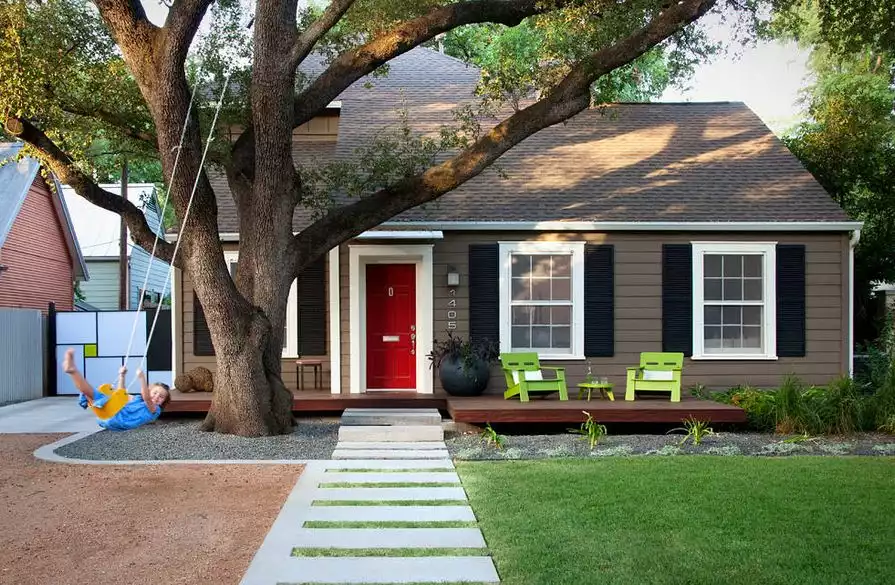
107 64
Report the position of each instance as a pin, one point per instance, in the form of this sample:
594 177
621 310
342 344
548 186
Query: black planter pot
457 382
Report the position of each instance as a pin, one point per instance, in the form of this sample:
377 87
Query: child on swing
141 409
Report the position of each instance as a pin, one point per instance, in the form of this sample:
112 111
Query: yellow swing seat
117 399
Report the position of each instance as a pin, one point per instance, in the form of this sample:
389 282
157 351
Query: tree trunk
250 398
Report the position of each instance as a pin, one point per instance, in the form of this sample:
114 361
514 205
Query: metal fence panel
21 355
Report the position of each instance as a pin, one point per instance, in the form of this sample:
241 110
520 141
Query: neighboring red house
40 259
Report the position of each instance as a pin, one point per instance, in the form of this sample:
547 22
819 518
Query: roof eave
601 226
71 239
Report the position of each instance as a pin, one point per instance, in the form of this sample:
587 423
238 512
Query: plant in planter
464 367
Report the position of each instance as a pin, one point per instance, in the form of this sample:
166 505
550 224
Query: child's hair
167 390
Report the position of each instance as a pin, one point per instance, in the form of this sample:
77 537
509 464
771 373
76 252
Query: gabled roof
623 164
16 178
98 229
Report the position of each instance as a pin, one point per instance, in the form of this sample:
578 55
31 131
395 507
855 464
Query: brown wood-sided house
638 227
40 259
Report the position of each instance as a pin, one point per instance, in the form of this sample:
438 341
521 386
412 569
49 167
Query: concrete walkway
57 414
299 549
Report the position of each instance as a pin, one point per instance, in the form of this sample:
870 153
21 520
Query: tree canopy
848 138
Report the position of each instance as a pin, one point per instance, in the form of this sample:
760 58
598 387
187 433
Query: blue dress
134 414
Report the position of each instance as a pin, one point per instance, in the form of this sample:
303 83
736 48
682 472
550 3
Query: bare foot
68 364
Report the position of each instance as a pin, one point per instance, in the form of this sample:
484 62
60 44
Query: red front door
391 326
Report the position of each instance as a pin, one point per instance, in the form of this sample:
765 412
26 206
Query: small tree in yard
73 74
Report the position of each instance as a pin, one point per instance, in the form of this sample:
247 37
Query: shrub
760 405
794 408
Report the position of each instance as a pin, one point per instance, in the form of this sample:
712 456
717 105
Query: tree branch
356 63
112 119
309 37
568 98
181 25
128 21
65 169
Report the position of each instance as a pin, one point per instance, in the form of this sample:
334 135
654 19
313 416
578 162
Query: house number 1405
452 312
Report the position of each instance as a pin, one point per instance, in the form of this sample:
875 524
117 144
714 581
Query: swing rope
186 216
179 149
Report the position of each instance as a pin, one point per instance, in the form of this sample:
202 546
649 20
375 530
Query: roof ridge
451 57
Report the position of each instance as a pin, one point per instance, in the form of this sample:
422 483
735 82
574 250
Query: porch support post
335 324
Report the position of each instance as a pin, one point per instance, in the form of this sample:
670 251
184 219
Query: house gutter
852 243
600 226
607 226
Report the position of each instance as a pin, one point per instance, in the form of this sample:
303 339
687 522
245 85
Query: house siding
101 291
139 265
185 296
638 305
39 270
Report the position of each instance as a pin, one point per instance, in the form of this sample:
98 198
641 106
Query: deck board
495 409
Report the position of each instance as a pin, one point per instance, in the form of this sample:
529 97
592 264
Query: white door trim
358 258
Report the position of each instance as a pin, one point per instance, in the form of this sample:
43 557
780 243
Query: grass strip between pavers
389 503
389 552
389 484
389 524
411 470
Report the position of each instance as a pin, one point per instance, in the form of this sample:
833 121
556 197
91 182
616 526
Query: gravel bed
166 440
471 446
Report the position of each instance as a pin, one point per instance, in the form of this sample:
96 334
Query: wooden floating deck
493 408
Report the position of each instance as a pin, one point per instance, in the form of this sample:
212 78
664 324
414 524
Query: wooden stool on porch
315 365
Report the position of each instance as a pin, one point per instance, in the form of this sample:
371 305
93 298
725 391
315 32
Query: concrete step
395 433
391 417
381 494
383 570
391 464
390 454
396 445
392 477
388 538
393 513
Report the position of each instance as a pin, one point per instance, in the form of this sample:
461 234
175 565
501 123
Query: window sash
575 278
767 326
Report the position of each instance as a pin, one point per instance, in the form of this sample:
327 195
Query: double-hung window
734 300
542 298
290 329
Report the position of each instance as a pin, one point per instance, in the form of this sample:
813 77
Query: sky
766 77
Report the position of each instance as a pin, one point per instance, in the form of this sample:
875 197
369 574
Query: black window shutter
202 345
484 292
677 298
790 300
599 300
311 288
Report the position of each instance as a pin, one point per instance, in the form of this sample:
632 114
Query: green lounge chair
658 372
523 372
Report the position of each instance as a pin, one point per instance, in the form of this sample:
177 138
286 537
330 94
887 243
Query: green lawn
683 520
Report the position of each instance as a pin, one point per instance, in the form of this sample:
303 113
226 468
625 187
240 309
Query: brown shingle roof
697 162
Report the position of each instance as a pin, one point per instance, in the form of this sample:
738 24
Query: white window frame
290 350
576 249
768 251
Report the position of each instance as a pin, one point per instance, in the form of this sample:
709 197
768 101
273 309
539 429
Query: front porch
494 408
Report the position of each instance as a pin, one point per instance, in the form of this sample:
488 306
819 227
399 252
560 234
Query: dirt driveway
119 525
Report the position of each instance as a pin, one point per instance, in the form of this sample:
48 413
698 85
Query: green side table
605 389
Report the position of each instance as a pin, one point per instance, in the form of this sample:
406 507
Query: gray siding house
630 228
